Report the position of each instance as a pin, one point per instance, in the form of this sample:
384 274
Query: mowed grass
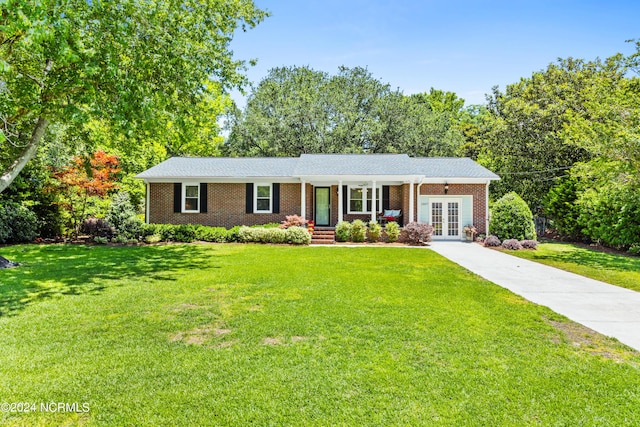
616 269
238 335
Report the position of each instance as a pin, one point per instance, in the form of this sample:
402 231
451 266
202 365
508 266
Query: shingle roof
353 164
451 167
227 167
317 165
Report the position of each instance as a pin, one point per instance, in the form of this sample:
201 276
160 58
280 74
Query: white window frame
365 193
184 197
255 197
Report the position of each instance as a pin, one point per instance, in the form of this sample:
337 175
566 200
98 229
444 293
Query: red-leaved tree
82 181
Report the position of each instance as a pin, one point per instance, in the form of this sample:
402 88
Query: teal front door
322 206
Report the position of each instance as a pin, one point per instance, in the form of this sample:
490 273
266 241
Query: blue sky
466 47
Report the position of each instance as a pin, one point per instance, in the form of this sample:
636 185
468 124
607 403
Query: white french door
445 218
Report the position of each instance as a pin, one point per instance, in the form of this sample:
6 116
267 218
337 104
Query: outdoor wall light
446 188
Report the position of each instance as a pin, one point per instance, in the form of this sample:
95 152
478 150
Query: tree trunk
27 154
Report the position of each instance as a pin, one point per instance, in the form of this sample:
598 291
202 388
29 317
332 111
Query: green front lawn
276 335
616 269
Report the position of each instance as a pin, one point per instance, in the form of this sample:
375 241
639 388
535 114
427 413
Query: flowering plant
469 229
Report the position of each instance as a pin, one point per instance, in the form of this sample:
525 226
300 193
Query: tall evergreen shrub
511 218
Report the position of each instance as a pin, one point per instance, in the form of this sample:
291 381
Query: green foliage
392 230
297 110
560 206
358 231
17 223
511 218
527 144
122 216
343 231
148 70
211 234
100 240
374 232
611 216
120 238
153 238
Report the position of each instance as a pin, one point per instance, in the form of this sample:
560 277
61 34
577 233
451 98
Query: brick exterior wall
478 191
226 206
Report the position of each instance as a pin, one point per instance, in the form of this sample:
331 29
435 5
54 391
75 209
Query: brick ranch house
447 193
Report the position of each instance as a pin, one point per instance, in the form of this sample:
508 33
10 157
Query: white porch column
486 209
146 202
411 201
303 199
340 207
374 203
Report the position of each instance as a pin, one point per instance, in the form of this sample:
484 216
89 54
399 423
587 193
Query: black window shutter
203 197
249 198
177 197
385 197
345 199
276 197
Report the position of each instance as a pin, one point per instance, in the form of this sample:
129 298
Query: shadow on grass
52 270
593 258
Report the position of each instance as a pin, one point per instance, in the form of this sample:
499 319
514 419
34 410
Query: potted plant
469 232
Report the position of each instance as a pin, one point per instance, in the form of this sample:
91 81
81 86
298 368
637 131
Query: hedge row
187 233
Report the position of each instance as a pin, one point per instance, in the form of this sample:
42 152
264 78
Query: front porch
328 203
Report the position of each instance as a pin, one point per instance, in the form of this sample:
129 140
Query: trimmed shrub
185 233
211 234
529 244
267 225
233 234
294 235
298 236
358 231
492 241
343 231
100 240
511 218
120 238
417 233
375 231
17 223
99 227
634 249
153 238
392 230
512 244
122 216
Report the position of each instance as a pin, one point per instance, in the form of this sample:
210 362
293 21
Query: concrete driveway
605 308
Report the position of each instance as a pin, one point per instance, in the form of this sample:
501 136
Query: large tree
141 68
526 144
298 110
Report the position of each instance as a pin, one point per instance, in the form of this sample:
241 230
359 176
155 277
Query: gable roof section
318 165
